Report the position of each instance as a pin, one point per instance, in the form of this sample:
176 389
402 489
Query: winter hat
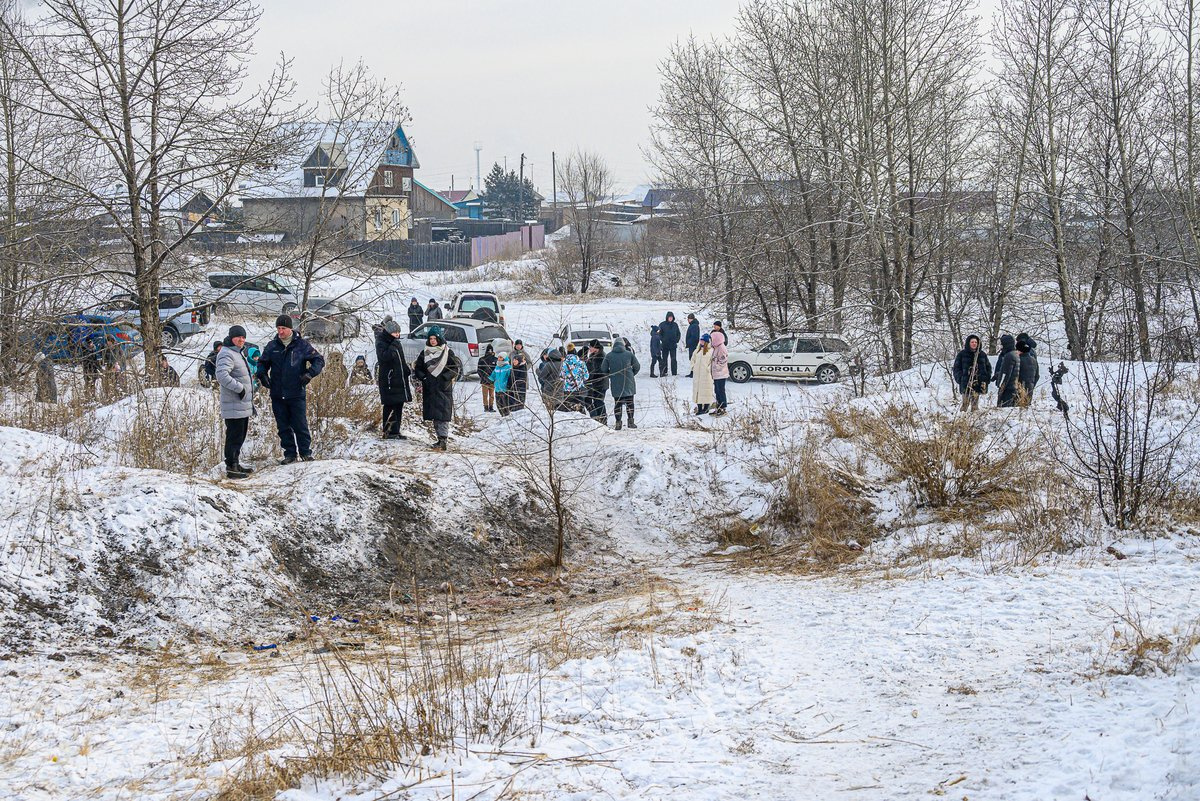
435 331
501 356
1007 342
705 338
519 342
691 316
670 315
284 321
1023 337
1023 345
433 300
236 331
391 326
717 324
414 300
360 358
595 343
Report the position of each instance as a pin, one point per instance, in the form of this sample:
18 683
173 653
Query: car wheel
740 372
827 374
170 337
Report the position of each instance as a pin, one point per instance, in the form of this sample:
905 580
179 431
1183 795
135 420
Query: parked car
467 338
74 336
329 320
583 333
251 294
476 305
179 311
820 356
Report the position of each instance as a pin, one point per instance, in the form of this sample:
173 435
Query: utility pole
521 208
478 179
554 184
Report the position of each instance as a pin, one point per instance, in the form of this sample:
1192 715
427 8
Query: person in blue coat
692 340
285 367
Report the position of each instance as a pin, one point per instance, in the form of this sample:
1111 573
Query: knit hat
435 331
236 331
1023 345
284 321
391 326
360 358
501 356
595 343
705 338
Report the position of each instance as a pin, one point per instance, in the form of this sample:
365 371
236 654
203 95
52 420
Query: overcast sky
517 76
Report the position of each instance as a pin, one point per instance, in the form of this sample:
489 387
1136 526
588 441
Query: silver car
329 320
178 311
249 294
467 338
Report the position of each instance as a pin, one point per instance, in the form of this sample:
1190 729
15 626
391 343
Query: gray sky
514 75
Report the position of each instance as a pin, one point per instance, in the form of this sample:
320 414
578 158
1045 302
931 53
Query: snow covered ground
1072 677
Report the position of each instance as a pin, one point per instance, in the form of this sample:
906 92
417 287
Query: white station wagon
819 356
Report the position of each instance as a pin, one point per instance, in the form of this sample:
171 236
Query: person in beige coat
702 381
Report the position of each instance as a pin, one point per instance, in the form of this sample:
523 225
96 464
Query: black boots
237 471
440 445
287 460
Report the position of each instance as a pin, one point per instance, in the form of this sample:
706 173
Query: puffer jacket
286 371
1008 371
574 374
394 372
233 377
621 365
597 382
966 362
703 391
720 362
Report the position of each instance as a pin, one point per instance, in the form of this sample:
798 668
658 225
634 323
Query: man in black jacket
972 373
285 367
416 315
1008 372
693 338
1027 371
394 389
668 329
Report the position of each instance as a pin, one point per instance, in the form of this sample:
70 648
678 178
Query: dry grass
174 430
816 517
950 464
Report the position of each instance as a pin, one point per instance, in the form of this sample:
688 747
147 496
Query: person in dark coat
620 366
285 367
655 349
972 372
433 311
549 374
209 375
416 315
437 368
668 329
394 389
519 360
719 327
1008 372
1027 372
1037 371
486 364
597 383
693 337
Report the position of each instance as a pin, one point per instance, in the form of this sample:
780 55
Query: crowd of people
1015 375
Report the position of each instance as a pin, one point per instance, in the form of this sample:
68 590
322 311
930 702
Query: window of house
320 180
396 217
388 179
378 218
406 184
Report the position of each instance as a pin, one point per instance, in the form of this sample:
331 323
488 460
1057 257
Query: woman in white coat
702 381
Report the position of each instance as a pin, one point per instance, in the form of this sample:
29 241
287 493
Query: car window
422 332
471 304
835 345
220 281
781 345
170 300
489 332
122 302
455 334
808 346
587 333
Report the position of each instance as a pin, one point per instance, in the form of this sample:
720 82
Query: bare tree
154 90
587 181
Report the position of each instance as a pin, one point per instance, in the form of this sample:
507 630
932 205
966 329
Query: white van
251 294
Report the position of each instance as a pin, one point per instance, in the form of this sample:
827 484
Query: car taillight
473 348
502 319
195 317
124 337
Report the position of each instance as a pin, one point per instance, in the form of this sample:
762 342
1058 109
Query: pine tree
502 195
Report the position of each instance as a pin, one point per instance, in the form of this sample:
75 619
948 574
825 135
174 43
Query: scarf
436 357
285 342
